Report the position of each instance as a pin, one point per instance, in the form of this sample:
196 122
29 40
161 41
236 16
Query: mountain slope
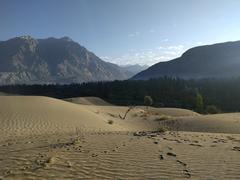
28 60
133 69
212 61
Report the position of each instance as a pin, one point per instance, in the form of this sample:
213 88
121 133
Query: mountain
28 60
133 69
212 61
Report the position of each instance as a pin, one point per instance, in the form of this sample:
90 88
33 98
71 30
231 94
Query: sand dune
26 115
219 123
88 101
47 138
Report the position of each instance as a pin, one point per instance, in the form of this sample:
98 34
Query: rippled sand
46 138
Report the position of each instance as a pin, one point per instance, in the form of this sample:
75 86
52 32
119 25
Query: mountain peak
65 38
26 37
25 60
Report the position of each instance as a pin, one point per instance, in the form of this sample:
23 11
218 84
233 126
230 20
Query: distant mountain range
212 61
132 70
43 61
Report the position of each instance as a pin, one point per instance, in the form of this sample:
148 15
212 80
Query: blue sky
125 31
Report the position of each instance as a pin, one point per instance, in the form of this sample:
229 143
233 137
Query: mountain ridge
26 60
221 60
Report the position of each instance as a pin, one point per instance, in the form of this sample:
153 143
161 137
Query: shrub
148 101
162 129
211 109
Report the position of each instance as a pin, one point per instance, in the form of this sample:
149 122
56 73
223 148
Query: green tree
148 101
211 109
199 103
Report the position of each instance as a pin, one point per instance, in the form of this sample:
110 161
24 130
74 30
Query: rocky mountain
212 61
133 69
28 60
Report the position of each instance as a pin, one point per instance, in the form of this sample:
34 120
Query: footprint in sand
8 172
69 164
25 168
94 155
42 162
187 173
213 145
105 152
182 163
161 157
236 148
171 154
199 145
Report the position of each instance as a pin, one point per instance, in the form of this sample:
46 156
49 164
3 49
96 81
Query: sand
219 123
47 138
88 101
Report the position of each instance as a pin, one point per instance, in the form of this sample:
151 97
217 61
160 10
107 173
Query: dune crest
88 101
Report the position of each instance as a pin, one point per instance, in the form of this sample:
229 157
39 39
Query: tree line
199 95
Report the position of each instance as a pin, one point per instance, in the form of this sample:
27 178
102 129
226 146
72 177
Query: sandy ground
46 138
88 101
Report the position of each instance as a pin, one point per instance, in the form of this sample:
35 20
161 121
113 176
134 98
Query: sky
125 31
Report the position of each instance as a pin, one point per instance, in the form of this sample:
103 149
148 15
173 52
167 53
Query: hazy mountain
28 60
133 69
212 61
